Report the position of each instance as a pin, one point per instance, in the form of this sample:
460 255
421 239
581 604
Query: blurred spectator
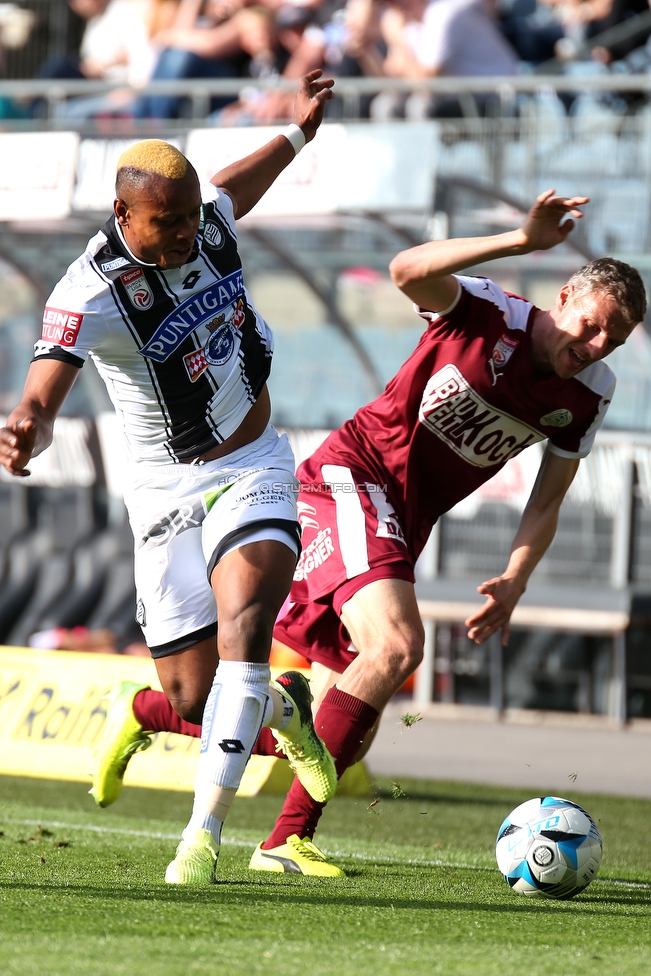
232 40
117 46
298 48
220 46
533 28
620 12
15 28
426 40
637 62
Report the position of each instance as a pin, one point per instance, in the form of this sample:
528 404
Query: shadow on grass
236 892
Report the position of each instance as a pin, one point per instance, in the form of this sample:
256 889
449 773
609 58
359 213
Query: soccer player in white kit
158 302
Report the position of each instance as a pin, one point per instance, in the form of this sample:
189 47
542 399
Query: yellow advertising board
52 716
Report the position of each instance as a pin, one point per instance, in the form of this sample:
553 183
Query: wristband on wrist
295 136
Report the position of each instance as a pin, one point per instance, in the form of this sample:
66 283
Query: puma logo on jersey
472 428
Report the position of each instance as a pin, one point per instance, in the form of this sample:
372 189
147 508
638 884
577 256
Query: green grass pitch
81 890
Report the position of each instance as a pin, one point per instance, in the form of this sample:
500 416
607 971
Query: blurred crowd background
131 42
450 116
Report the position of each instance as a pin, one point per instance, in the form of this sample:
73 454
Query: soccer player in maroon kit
491 375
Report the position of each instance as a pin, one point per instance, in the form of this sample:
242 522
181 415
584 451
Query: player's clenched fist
17 443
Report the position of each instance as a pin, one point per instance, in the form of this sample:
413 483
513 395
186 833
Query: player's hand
545 226
16 446
309 103
501 594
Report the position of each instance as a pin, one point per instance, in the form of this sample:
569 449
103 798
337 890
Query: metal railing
350 91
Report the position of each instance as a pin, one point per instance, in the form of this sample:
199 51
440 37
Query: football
549 847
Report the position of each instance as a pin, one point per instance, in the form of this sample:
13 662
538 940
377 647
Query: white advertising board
37 172
376 167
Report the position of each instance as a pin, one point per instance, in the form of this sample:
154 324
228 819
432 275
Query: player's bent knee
190 710
188 699
406 654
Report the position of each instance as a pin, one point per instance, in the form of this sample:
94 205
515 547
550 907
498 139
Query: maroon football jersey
466 400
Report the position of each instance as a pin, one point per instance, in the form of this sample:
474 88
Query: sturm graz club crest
219 348
213 235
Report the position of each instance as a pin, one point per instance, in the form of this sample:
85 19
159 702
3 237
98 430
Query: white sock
278 711
232 719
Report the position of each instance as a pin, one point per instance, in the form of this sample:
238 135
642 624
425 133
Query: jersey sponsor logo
114 265
61 327
314 555
389 527
171 524
213 235
471 427
138 289
557 418
191 314
502 352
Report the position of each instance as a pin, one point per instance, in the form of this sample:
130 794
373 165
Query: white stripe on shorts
351 521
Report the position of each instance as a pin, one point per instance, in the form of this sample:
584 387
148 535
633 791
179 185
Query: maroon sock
342 721
265 745
155 714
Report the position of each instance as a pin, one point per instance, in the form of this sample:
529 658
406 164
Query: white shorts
186 517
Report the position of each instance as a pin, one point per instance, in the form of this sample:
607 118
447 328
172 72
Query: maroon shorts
351 537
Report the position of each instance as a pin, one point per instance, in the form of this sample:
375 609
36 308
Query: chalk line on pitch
234 842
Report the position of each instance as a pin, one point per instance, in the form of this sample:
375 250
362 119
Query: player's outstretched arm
29 426
247 180
534 536
424 273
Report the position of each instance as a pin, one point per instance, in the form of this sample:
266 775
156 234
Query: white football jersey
183 352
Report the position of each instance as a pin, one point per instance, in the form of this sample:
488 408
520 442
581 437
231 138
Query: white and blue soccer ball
549 847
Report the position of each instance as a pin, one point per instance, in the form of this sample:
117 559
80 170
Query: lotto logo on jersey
471 427
137 287
60 326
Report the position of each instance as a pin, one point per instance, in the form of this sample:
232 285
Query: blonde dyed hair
156 157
